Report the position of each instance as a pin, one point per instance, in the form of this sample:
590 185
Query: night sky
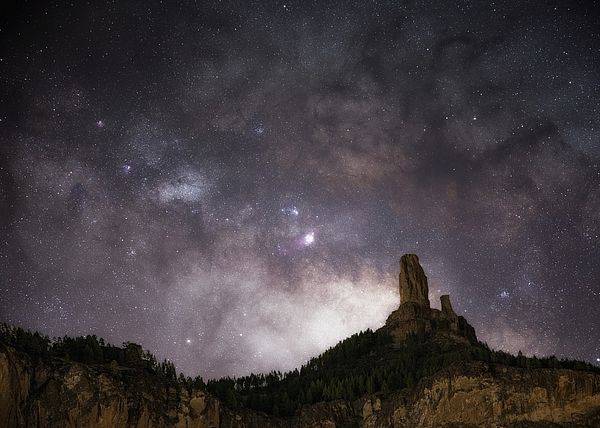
231 184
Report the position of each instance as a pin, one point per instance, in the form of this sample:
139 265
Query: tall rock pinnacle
415 316
413 282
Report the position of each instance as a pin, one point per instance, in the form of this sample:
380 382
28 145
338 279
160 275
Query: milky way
231 184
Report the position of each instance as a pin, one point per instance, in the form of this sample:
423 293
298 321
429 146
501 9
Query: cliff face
474 395
483 395
78 395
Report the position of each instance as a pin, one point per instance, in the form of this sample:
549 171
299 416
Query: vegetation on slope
365 363
93 351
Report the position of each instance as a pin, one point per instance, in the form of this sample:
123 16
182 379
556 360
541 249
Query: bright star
188 341
309 238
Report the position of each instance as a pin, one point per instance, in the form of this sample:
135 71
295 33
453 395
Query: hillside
424 368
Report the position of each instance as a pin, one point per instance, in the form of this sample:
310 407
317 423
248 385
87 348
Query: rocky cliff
473 395
63 394
56 392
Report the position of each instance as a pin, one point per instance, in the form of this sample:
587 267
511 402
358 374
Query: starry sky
232 183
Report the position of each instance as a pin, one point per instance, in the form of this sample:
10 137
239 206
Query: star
308 239
259 129
100 124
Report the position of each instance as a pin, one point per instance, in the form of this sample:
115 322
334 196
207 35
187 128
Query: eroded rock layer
78 395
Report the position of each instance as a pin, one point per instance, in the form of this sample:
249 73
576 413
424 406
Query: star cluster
231 184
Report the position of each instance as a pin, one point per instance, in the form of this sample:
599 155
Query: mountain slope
424 368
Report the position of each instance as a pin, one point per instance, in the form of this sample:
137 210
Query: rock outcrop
413 281
79 395
447 306
415 315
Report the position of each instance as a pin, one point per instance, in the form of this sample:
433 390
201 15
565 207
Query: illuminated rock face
413 282
73 395
415 315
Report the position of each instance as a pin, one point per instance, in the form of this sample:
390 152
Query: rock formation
447 306
413 282
475 394
75 395
416 317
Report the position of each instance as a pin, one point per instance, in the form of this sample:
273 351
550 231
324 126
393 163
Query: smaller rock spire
447 306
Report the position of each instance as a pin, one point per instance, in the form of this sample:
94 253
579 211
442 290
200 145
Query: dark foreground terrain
424 368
